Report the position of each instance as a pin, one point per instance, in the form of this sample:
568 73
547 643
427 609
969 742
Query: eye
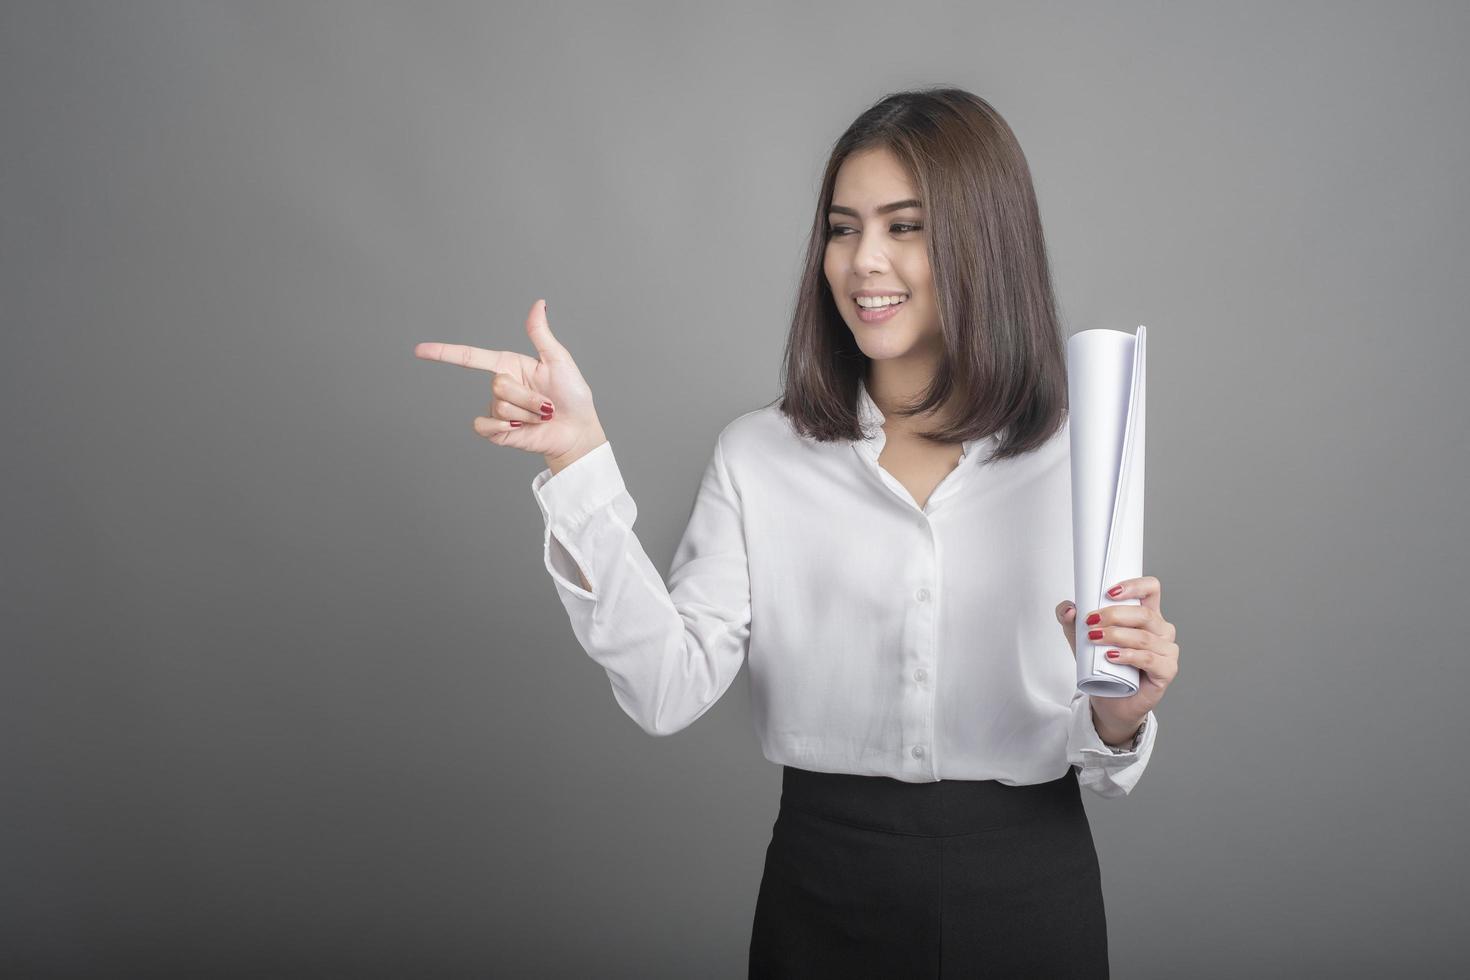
836 231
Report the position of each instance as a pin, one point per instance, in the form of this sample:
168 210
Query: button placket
918 701
930 595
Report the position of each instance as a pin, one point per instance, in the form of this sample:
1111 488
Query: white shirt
883 638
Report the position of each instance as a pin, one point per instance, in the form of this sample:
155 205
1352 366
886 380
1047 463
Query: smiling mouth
880 313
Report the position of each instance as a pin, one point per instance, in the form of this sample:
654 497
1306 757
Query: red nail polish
546 407
1094 619
1115 590
514 424
1112 654
1095 635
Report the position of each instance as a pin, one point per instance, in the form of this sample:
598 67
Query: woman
885 546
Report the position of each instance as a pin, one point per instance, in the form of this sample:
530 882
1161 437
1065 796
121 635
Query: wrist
560 461
1117 733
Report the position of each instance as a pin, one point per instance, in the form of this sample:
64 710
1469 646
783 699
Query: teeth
878 302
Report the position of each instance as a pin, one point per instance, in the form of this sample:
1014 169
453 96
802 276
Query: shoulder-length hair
997 312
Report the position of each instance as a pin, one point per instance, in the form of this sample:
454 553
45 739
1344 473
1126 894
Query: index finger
478 358
1147 589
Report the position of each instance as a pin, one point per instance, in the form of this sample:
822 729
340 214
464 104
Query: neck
893 382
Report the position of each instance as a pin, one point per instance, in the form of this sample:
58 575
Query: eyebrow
895 206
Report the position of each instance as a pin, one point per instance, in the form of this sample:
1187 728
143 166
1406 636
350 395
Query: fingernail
1115 590
1112 654
514 424
546 408
1094 634
1094 619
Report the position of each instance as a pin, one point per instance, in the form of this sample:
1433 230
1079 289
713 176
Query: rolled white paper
1105 387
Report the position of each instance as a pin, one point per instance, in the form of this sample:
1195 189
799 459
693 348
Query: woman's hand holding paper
1143 638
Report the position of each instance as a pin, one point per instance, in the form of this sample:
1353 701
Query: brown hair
997 312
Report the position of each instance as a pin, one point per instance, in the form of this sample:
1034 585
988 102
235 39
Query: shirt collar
871 420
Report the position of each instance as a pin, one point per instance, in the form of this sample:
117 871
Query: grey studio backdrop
287 689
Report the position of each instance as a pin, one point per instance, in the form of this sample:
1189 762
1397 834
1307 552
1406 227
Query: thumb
539 330
1067 616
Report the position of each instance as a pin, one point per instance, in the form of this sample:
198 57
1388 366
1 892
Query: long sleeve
1106 771
670 651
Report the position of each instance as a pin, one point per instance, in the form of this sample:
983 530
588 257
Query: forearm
670 649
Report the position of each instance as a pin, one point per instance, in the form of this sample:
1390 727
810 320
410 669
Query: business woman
885 546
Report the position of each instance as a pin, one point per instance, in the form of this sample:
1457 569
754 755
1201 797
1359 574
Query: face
880 250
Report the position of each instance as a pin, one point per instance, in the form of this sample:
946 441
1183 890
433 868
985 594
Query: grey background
287 690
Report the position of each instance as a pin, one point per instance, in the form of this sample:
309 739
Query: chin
880 346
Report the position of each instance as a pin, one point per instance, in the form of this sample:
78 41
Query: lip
879 316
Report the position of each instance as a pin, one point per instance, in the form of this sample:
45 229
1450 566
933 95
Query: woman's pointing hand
523 388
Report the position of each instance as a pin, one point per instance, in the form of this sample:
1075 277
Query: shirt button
922 595
918 751
920 674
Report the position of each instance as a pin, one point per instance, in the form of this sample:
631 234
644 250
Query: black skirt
867 876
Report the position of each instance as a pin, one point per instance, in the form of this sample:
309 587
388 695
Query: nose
870 258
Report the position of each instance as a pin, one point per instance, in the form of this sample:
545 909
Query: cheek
924 293
830 272
919 276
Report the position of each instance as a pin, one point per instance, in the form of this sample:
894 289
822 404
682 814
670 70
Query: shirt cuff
591 481
575 504
1105 770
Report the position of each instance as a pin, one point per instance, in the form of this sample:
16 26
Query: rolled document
1105 375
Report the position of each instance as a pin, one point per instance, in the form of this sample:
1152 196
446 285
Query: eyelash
832 231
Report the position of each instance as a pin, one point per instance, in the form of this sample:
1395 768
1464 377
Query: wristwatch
1133 743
